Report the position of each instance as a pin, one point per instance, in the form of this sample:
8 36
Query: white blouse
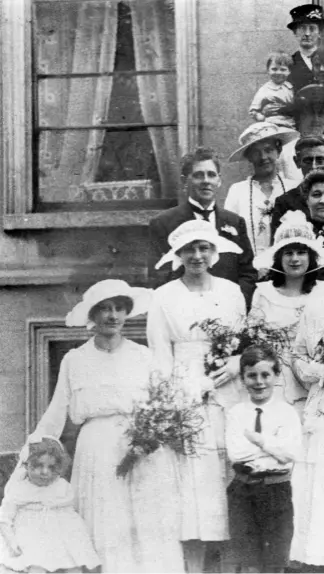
239 201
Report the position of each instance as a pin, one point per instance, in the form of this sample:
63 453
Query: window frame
17 161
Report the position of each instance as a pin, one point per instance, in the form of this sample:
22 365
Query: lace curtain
81 37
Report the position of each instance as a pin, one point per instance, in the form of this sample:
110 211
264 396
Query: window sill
65 220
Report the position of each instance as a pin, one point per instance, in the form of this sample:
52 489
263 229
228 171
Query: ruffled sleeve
311 329
54 418
158 336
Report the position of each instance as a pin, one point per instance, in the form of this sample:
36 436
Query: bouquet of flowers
257 331
319 351
166 418
266 213
225 342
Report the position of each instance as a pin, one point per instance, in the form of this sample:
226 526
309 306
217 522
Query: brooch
229 229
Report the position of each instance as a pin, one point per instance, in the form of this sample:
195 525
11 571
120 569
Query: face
308 35
278 73
203 182
310 158
259 381
315 201
263 155
197 256
42 471
109 317
295 260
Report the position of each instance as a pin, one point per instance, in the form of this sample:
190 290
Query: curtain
154 45
80 39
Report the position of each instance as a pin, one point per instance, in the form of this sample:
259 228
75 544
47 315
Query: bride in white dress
178 352
292 260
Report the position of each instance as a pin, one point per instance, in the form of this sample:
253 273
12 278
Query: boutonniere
265 213
229 229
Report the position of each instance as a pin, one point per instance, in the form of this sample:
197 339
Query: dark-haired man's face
310 158
203 182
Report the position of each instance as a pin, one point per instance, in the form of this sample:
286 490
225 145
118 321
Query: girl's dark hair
256 353
120 300
278 279
53 448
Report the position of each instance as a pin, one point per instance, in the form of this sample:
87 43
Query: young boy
275 98
263 438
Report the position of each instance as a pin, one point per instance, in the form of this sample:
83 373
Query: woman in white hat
293 261
178 352
97 385
260 144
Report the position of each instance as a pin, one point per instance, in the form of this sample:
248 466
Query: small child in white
275 98
39 529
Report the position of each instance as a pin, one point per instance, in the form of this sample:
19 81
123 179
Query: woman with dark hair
293 261
312 190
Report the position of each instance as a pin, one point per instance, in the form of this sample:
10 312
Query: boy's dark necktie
204 212
257 426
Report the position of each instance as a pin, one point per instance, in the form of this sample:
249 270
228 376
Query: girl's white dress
48 530
282 311
127 518
178 353
308 476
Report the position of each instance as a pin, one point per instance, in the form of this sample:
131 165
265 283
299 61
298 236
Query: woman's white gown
178 353
128 519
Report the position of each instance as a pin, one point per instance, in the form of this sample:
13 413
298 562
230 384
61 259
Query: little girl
39 529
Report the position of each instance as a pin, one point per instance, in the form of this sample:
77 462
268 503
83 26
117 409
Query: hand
258 117
15 548
272 110
224 374
254 437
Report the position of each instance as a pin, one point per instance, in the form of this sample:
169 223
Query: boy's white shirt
281 432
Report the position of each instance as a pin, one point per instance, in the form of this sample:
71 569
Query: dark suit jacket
300 74
291 200
235 267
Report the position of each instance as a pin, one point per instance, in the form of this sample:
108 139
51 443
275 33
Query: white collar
307 60
197 204
265 406
275 86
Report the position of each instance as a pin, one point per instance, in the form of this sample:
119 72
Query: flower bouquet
265 213
166 418
224 343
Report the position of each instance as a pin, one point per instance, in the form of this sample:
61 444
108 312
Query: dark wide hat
309 13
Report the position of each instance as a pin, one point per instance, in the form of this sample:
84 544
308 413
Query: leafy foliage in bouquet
166 418
319 351
224 343
257 331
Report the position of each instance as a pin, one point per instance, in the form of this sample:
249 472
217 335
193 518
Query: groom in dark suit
200 174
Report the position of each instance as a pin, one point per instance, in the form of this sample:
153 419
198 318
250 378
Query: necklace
267 209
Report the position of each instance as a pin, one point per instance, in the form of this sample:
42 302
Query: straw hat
195 230
294 229
79 316
259 132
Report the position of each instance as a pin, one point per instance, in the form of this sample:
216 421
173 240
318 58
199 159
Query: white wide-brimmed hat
79 316
258 132
195 230
294 229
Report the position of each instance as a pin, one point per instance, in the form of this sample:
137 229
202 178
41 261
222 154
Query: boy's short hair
256 353
281 58
199 154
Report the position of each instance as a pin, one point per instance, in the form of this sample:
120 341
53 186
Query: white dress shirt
281 431
212 215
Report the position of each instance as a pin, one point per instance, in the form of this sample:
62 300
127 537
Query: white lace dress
308 477
125 517
282 311
178 351
48 530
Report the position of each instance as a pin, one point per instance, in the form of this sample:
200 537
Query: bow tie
204 212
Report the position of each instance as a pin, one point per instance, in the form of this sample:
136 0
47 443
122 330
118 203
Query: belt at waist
263 478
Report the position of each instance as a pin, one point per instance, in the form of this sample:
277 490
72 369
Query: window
100 97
